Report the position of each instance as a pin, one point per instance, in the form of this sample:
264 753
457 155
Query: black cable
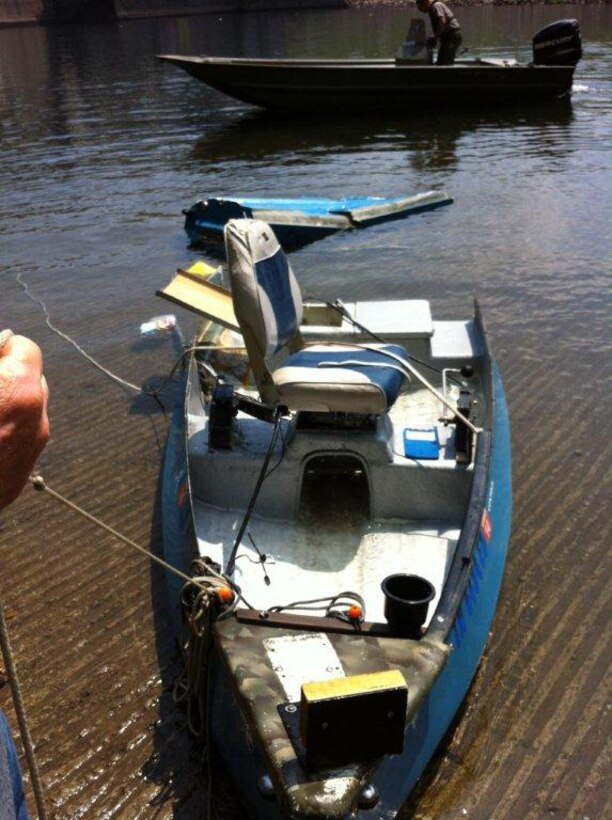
339 308
263 557
260 480
281 457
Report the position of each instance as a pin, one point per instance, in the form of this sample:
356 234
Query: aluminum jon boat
298 222
367 85
337 483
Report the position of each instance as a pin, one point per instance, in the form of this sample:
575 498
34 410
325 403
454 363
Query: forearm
24 425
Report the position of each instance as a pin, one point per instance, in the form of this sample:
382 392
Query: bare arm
24 426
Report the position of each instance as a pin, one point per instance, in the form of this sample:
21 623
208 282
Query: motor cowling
558 44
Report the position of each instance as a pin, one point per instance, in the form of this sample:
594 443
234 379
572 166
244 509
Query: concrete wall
24 12
20 12
157 8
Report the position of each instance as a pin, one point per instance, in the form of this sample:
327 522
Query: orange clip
225 595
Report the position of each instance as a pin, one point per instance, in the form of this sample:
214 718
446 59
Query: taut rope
26 737
38 483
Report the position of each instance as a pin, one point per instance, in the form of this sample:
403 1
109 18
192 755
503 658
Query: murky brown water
101 148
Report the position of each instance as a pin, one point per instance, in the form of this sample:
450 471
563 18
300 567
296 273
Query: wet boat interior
342 507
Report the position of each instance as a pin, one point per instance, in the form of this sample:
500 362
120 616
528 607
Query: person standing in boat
24 430
445 27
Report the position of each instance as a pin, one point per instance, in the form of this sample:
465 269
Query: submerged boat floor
316 557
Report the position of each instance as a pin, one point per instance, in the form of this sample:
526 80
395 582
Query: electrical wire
334 606
339 308
260 480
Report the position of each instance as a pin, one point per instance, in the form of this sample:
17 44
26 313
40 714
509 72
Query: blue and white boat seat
345 378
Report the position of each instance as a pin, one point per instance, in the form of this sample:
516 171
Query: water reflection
430 141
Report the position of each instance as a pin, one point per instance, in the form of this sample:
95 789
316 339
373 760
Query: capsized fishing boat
298 222
337 481
400 83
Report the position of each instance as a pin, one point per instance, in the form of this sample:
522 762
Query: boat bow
263 694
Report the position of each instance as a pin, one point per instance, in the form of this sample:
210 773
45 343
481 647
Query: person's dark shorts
449 45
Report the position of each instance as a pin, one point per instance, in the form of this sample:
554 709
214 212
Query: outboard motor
558 44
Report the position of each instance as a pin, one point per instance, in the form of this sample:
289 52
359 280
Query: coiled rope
199 610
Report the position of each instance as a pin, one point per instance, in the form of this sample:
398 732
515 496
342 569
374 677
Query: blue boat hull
479 570
397 776
298 222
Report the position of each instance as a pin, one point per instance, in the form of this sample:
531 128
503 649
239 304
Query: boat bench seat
399 488
393 319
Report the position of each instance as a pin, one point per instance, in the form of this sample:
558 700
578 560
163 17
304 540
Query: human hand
24 426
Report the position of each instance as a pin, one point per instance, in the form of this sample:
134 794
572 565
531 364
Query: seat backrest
266 295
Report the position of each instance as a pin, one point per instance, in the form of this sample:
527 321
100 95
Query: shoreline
452 3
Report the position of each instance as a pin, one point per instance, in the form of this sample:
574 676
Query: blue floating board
300 221
421 442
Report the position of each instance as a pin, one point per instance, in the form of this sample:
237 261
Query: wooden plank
309 623
402 207
193 292
352 685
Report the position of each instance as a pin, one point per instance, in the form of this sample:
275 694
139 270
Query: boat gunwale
352 63
455 587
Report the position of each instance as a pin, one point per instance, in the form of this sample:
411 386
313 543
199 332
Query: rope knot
38 482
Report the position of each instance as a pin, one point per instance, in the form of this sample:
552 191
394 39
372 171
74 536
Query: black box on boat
222 411
464 440
351 719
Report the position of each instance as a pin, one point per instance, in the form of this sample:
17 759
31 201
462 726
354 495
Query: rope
188 688
39 484
334 606
26 738
154 394
193 684
65 336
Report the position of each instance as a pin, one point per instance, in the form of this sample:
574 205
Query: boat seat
328 378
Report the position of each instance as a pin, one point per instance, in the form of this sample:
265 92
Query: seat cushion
266 295
341 379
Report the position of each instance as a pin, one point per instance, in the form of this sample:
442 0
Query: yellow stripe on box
353 685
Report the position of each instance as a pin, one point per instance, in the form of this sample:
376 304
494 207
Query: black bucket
407 600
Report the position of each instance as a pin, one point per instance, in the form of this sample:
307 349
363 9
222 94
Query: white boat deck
313 558
336 535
